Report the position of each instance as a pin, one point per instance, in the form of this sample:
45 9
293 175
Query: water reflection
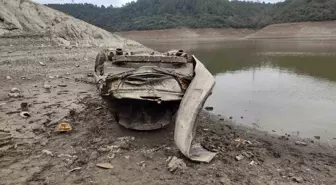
287 86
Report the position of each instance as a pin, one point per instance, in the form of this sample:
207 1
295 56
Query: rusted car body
149 91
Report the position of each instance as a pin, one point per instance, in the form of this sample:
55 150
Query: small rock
47 86
8 78
47 152
242 117
176 164
42 63
77 65
221 119
90 75
317 137
14 95
105 165
239 157
298 179
225 181
252 163
51 77
127 157
273 131
300 143
209 108
15 90
231 117
247 142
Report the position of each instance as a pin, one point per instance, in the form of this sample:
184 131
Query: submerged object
150 91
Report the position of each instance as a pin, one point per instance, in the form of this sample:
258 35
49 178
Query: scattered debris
142 164
99 108
247 142
239 157
15 95
75 169
105 165
63 85
175 164
25 114
209 108
42 63
112 156
301 143
298 179
24 106
317 137
47 152
67 156
247 154
252 163
15 90
64 127
47 86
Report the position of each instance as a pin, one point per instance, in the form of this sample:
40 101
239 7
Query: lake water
282 86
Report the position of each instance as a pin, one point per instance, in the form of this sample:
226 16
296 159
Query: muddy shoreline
39 155
324 30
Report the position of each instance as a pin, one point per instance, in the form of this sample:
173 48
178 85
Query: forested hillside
163 14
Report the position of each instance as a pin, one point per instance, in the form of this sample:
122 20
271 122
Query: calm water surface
283 86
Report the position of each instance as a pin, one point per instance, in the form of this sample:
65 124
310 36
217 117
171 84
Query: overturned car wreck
150 91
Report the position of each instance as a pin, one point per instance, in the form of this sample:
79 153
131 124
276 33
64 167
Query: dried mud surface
39 155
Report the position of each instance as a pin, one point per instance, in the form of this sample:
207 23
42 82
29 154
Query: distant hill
165 14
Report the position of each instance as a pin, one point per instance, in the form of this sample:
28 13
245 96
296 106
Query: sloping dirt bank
56 83
304 30
188 34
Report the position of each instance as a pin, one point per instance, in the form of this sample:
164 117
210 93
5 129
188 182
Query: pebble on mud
298 179
15 90
47 152
239 157
42 63
209 108
175 164
105 165
300 143
62 85
8 78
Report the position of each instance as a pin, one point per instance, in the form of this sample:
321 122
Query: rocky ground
57 85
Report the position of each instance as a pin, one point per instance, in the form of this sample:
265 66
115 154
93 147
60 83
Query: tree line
164 14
